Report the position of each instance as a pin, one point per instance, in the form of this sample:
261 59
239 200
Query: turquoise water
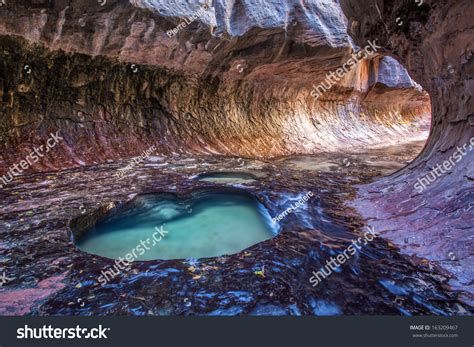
207 225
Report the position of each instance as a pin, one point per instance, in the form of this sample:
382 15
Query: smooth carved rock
435 44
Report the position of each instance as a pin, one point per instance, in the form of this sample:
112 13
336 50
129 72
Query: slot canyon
217 121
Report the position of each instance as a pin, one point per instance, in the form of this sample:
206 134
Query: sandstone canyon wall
435 44
236 81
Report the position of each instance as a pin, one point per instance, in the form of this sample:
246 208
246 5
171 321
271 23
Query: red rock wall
435 44
106 110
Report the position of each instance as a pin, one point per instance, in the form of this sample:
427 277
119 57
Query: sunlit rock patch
227 177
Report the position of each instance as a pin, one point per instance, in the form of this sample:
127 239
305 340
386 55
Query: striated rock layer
433 221
237 81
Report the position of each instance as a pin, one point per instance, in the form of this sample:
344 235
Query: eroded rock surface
42 212
435 44
221 86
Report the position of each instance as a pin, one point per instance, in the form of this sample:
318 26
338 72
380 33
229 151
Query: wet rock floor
45 274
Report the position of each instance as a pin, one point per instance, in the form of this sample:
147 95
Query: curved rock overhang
434 194
236 79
